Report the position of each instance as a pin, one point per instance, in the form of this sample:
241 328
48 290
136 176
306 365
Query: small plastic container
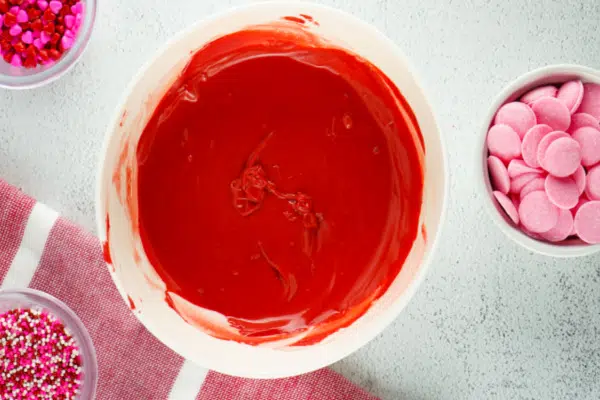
553 74
29 298
22 78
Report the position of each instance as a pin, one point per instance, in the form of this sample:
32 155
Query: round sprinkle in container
538 161
40 40
45 351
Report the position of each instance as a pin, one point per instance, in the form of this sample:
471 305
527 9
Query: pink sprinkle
16 61
69 21
22 16
55 6
78 7
44 37
27 37
38 43
78 18
67 42
70 33
42 4
15 30
40 359
14 10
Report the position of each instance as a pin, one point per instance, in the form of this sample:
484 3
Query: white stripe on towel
188 382
26 261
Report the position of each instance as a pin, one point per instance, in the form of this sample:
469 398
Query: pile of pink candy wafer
544 161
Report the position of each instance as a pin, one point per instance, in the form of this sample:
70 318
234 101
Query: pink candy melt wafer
582 201
591 100
571 94
563 228
517 115
538 93
545 143
587 222
534 185
589 140
553 112
517 184
562 158
518 167
580 120
503 142
531 142
562 192
498 175
592 184
579 177
537 213
508 206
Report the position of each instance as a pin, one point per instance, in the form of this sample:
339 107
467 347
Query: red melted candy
280 184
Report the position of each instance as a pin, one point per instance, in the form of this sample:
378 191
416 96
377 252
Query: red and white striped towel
38 249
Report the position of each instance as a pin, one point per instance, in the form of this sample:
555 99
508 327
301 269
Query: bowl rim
64 65
509 93
77 327
385 319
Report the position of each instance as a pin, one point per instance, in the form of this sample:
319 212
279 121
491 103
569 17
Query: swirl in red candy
250 190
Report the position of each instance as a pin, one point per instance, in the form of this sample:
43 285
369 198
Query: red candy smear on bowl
557 167
38 32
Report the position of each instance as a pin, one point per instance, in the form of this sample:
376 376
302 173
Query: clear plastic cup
29 298
22 78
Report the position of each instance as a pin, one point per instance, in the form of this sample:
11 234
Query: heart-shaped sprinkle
22 16
69 21
55 6
27 37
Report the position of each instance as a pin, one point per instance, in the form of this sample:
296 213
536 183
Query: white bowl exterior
132 277
553 74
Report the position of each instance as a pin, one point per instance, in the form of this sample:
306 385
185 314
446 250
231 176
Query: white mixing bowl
135 277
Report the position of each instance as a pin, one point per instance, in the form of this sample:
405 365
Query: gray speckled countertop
492 320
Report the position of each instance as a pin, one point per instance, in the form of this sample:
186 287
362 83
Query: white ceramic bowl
553 74
135 277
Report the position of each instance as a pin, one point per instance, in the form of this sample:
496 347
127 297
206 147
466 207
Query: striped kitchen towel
38 249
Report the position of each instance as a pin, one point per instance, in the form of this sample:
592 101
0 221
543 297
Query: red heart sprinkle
37 25
31 51
54 54
9 55
48 15
49 28
19 47
10 19
30 62
55 38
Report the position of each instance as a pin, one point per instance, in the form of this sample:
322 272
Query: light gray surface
491 320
